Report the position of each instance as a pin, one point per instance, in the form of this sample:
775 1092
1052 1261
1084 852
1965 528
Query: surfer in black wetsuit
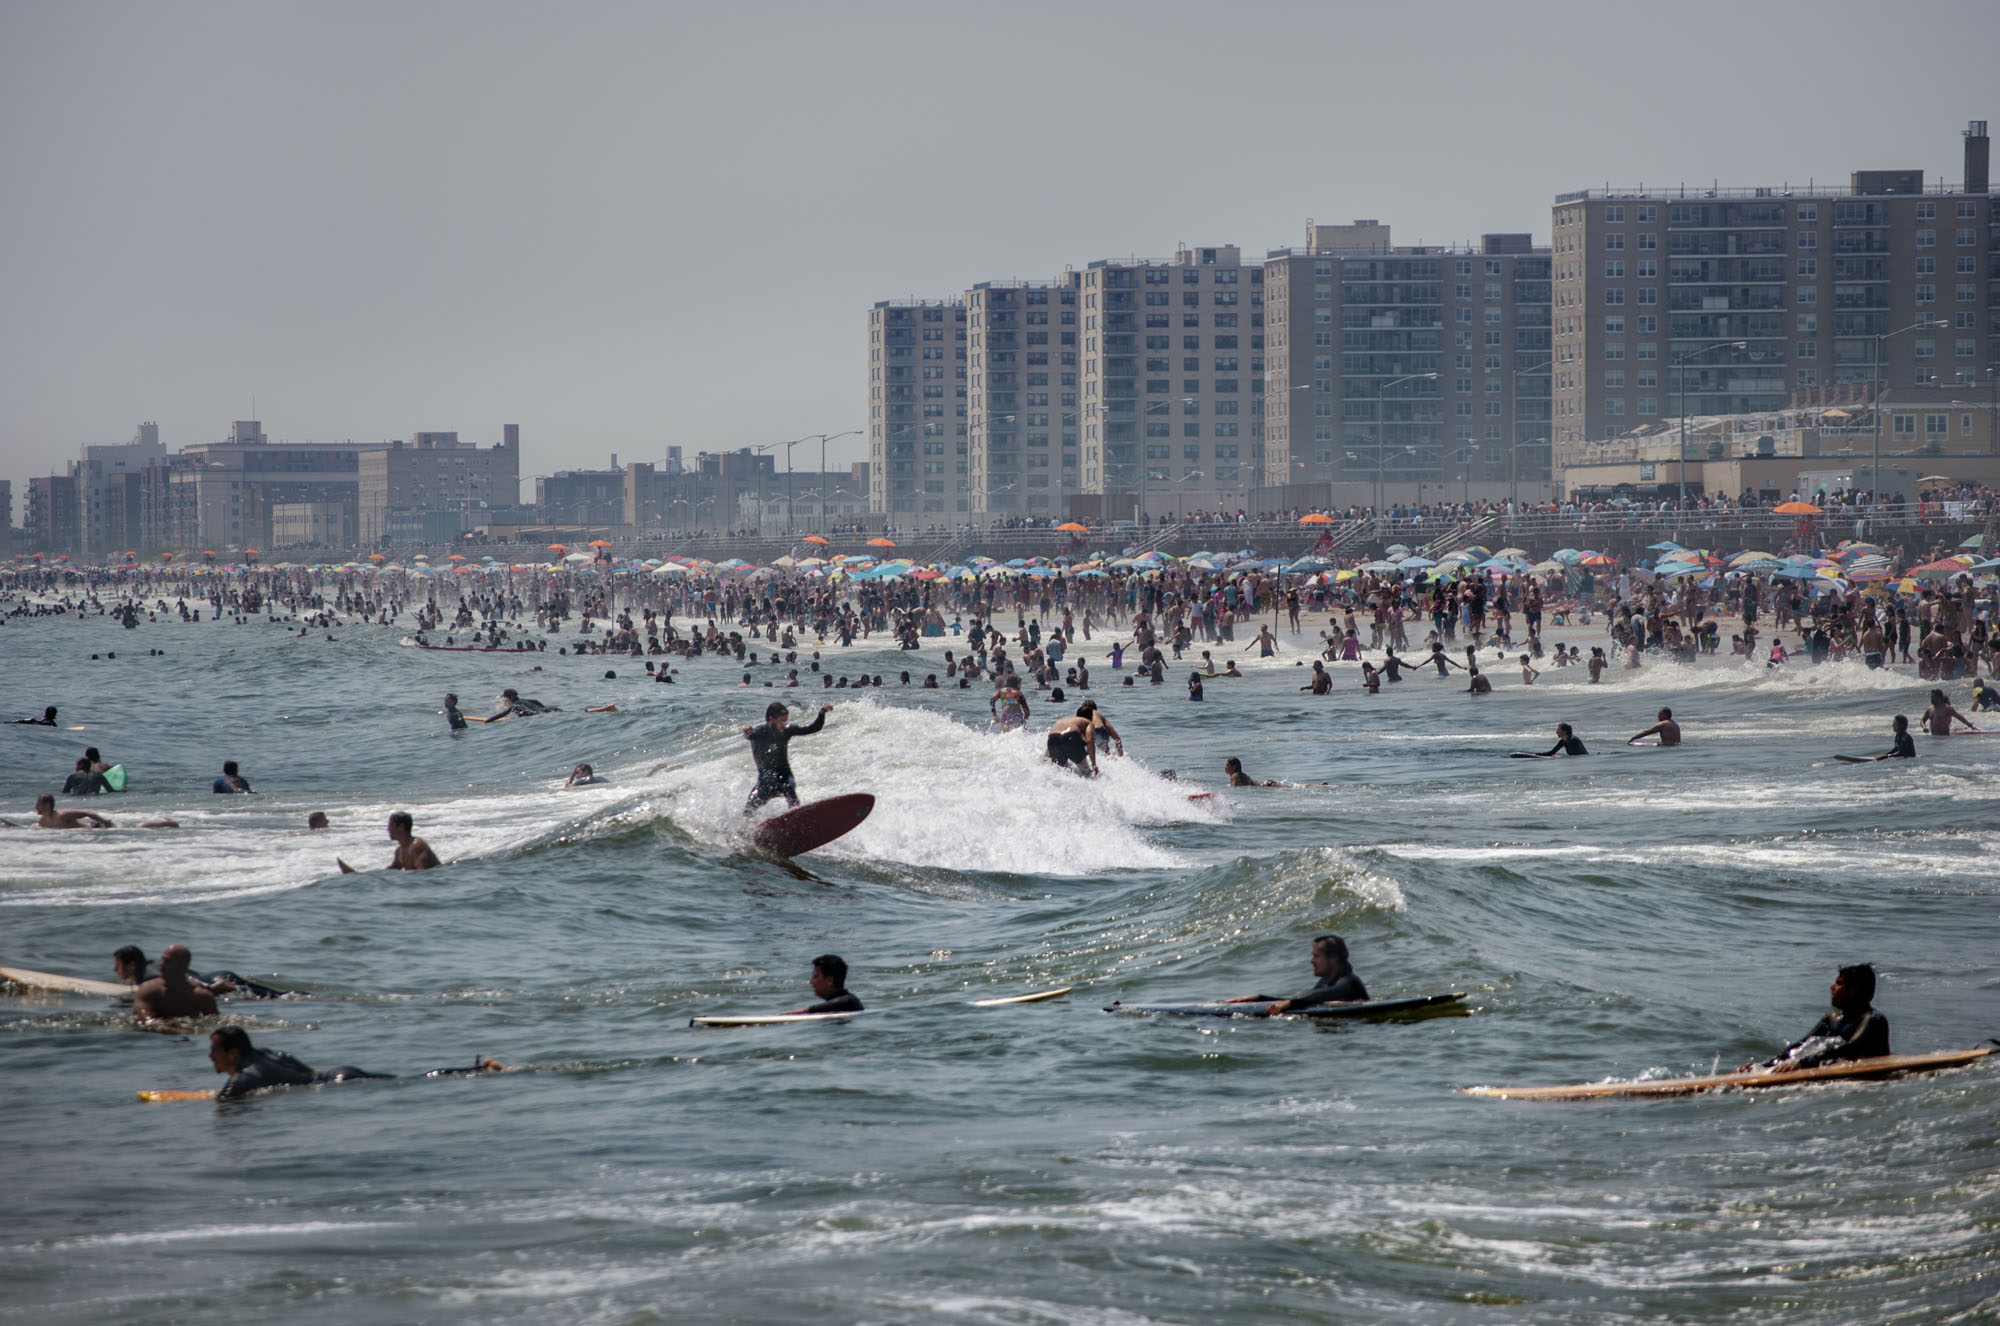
1567 743
453 719
829 982
1853 1030
251 1069
768 746
1903 747
1337 982
131 965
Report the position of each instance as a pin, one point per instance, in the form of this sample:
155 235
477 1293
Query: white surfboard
1034 997
43 980
772 1019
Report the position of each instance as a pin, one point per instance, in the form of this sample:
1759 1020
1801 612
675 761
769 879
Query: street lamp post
1382 432
1881 386
1514 451
1681 380
823 437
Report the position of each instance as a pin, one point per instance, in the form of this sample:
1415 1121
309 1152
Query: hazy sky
625 226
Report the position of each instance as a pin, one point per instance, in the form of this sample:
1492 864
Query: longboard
771 1019
1889 1065
42 980
164 1097
815 824
1035 997
1363 1009
1857 759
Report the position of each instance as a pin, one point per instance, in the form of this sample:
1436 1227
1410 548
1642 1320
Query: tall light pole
1681 380
1382 433
823 437
1514 451
1882 385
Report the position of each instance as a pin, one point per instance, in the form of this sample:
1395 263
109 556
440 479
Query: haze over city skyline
627 227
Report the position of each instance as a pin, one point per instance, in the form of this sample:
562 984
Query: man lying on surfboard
1853 1030
251 1069
1337 982
829 982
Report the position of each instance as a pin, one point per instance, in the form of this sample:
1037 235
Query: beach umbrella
1512 552
1396 548
456 557
1314 518
1565 555
1415 563
814 538
1544 568
1798 509
599 543
1072 527
1595 559
577 557
1976 541
1801 573
1478 550
1666 545
1927 480
881 543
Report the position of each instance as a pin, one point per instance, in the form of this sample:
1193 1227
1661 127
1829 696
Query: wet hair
400 819
450 697
1902 721
233 1039
1666 712
1566 729
1333 944
775 709
89 752
1938 696
1086 709
510 694
45 801
1232 764
833 968
229 768
83 765
130 956
316 820
1860 981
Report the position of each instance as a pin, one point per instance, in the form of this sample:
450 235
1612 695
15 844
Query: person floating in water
453 719
1237 778
1337 983
1903 747
48 719
412 852
231 780
829 982
250 1069
48 817
1567 743
1852 1030
1009 706
131 965
769 747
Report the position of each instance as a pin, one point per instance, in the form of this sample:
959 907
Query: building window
1808 267
1648 241
1806 350
1614 379
1807 296
1614 269
1649 295
1808 240
1614 405
1614 296
1927 239
1924 348
1647 269
1614 350
1808 322
1926 294
1962 349
1648 350
1614 214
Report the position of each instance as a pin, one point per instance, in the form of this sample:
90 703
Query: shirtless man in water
1938 718
412 852
171 994
48 817
1667 730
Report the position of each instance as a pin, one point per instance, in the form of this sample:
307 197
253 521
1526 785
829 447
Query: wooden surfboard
165 1097
42 980
815 824
1889 1065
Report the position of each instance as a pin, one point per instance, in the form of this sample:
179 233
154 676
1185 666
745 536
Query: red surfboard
815 824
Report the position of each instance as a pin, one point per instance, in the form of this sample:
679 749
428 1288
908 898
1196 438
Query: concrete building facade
1172 383
1022 451
50 524
434 472
917 444
1761 298
1414 363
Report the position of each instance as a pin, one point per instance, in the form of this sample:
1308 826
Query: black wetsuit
1836 1038
455 719
1570 745
1904 748
842 1002
85 783
264 1069
768 746
1070 748
1343 989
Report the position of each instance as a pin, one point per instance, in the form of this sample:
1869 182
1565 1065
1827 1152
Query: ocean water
1637 913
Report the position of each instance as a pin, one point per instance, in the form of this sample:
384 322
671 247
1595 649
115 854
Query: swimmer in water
1237 778
48 719
829 982
1852 1030
1938 718
412 852
48 817
1567 743
131 965
453 719
1667 730
581 776
1009 707
770 747
171 994
250 1069
231 781
1336 982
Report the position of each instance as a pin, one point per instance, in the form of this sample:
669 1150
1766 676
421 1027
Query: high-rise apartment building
50 522
109 491
1756 299
1172 375
1022 446
408 490
917 454
1404 363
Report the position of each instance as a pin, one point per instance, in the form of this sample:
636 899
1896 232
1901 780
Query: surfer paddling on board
1904 746
1237 778
769 747
48 719
1337 982
131 965
829 982
1667 730
251 1069
1567 743
171 994
48 817
1852 1030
